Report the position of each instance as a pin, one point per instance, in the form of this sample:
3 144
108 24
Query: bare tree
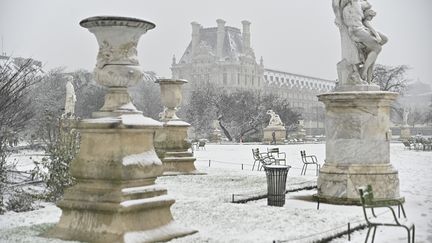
390 78
16 78
15 83
241 114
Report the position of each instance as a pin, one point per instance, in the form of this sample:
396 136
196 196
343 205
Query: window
265 77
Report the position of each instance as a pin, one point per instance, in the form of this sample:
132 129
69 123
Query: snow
139 120
143 159
137 202
203 202
177 123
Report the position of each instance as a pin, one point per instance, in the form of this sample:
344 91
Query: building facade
223 56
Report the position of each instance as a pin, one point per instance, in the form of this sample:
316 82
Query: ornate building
223 56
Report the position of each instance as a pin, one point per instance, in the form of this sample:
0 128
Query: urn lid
100 21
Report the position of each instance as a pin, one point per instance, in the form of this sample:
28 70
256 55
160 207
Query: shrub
20 201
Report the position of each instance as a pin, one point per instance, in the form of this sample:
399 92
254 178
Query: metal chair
262 159
278 156
308 160
373 221
201 144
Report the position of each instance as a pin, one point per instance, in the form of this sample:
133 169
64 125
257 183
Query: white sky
296 36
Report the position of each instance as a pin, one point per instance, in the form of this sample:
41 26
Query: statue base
280 134
405 133
339 184
172 147
357 146
115 198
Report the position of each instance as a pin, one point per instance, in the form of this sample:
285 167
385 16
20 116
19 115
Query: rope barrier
358 227
235 163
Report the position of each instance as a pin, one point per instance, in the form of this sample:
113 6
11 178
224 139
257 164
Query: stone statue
360 42
405 116
274 119
70 97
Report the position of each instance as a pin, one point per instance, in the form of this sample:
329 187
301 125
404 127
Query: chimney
246 35
220 37
195 36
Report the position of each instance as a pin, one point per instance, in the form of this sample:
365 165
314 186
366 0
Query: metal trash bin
276 184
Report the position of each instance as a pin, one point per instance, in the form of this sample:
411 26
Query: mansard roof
232 44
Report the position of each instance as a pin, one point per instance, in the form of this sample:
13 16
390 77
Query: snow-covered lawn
203 202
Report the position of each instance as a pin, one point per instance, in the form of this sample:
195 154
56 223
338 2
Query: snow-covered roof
232 44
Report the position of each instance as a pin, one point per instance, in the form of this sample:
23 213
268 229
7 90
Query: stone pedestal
115 198
405 133
357 146
280 134
172 147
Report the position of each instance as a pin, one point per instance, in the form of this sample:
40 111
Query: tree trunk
225 131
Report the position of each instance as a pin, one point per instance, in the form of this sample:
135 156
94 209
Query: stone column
357 146
171 142
115 198
220 37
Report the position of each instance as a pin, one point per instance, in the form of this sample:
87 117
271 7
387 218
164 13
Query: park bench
373 220
277 155
262 159
308 160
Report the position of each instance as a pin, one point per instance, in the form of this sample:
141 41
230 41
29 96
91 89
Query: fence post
232 198
209 163
349 232
242 166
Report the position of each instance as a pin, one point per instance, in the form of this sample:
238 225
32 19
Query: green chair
373 220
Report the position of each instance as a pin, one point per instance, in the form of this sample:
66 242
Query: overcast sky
297 36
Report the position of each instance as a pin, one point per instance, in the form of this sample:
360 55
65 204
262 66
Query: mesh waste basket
276 184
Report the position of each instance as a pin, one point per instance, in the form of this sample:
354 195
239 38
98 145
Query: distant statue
70 97
405 116
361 43
274 119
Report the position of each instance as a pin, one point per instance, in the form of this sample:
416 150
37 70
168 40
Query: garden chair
407 145
262 159
278 156
308 160
369 204
201 144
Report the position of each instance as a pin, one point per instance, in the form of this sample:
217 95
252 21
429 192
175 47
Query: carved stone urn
115 198
171 95
117 64
171 142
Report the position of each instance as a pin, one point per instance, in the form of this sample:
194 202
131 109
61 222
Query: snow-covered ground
203 202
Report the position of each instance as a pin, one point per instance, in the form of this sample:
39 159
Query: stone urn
171 95
171 142
117 64
115 198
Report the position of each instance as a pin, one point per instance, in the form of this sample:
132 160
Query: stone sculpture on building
70 97
361 43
